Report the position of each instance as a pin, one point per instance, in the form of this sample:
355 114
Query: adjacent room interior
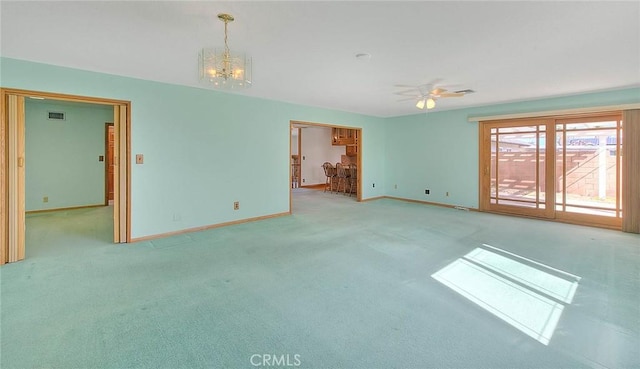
325 158
70 147
320 184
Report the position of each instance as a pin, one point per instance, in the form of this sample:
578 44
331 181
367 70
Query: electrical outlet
395 186
427 192
45 199
236 205
447 193
374 185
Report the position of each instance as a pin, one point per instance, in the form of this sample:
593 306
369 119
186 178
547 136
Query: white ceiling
304 52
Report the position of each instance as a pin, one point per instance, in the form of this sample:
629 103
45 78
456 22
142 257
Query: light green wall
62 156
203 149
439 150
206 149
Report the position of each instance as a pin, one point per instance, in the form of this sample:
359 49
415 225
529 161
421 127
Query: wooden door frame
485 170
299 155
12 162
358 157
106 162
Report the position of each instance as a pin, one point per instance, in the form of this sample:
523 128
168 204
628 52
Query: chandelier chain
226 46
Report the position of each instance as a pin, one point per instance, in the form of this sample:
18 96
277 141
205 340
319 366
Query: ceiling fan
426 95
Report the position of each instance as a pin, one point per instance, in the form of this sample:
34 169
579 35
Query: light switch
139 159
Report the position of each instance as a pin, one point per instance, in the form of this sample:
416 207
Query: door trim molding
11 225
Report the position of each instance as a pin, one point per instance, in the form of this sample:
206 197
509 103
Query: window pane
591 167
515 178
493 174
541 169
559 171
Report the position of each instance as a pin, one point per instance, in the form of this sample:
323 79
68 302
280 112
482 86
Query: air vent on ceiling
56 115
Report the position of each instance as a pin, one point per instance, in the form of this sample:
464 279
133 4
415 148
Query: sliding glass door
588 174
562 168
515 170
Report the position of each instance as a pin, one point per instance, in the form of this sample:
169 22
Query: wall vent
56 115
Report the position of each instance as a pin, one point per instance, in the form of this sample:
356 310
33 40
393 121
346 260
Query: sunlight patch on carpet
526 294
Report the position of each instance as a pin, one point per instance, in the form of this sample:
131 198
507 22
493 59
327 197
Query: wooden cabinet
343 136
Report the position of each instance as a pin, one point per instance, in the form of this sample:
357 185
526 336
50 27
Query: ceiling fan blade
438 91
409 98
452 94
414 91
435 81
407 86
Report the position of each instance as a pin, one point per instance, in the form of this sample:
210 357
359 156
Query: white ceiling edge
547 113
525 100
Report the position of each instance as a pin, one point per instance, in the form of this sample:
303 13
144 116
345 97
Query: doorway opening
314 144
13 164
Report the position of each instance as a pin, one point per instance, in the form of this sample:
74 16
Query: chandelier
222 69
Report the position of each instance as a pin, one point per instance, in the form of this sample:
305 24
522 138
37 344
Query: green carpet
338 284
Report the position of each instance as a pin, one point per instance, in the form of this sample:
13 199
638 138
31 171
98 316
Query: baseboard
431 203
318 186
556 220
373 198
207 227
69 208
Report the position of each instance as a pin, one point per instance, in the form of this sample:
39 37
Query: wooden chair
343 177
353 179
330 174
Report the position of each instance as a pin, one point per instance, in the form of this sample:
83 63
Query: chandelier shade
220 68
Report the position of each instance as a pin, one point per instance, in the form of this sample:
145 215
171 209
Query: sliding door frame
631 171
485 168
550 161
589 219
